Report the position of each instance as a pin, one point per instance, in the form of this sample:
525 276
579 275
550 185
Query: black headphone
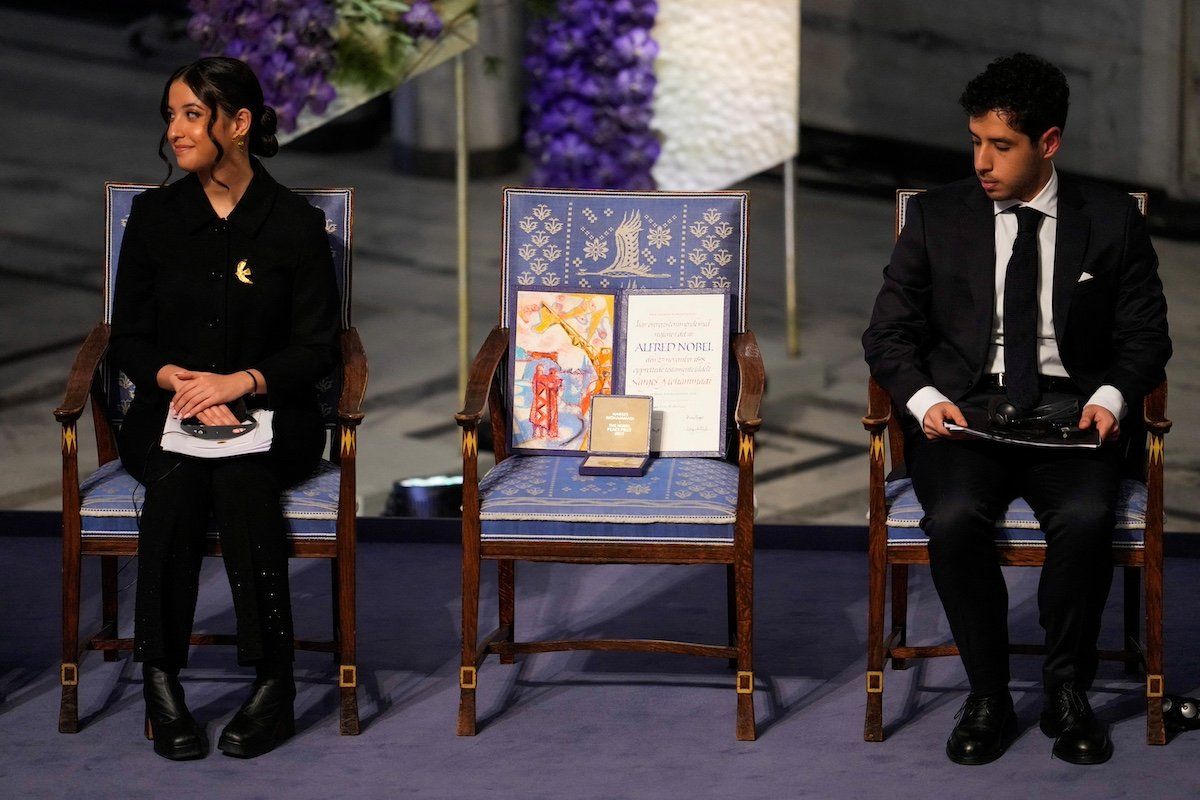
1005 414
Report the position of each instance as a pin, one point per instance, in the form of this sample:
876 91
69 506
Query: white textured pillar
727 100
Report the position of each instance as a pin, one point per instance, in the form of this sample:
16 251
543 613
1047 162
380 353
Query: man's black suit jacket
932 321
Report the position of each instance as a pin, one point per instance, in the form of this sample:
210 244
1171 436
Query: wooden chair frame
880 420
84 383
485 384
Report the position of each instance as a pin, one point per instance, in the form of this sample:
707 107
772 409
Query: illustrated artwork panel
562 357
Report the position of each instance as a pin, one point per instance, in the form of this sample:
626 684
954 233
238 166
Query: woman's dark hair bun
266 145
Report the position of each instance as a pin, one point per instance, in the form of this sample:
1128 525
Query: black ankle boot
267 718
168 722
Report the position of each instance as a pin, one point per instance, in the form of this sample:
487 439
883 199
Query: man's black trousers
964 486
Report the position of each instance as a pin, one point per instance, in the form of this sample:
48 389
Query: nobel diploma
676 351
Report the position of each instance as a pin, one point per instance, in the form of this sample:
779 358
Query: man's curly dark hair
1030 93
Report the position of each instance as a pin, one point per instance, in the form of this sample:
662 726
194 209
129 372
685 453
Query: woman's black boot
267 718
168 722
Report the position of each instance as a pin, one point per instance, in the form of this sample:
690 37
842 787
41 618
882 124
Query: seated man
1019 283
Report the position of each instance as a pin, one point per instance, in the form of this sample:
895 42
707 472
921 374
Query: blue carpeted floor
579 725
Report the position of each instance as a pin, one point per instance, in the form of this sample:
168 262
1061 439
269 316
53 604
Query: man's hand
936 418
1103 420
197 391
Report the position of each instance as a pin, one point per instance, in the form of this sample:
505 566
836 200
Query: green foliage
372 49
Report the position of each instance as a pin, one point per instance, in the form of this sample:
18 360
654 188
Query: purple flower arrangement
589 103
287 43
300 48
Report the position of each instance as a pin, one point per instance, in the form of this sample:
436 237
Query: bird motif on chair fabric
628 261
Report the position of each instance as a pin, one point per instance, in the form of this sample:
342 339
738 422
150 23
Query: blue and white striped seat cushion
544 498
1018 526
112 500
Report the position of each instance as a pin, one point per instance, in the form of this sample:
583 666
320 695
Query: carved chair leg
743 574
470 639
108 601
876 587
336 604
1155 728
1133 610
347 649
349 724
68 712
68 709
900 610
507 581
731 610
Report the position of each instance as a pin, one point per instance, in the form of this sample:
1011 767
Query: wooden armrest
480 377
879 408
79 382
752 377
354 377
1154 410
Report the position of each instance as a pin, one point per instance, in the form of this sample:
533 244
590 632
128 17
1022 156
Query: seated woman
225 291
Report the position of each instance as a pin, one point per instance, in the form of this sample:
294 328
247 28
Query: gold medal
242 272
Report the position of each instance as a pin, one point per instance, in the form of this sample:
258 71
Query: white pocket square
1086 276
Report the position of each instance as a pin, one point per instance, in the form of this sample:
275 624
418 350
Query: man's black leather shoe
263 721
985 727
1079 738
168 722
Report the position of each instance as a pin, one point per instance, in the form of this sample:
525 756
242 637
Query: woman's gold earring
240 141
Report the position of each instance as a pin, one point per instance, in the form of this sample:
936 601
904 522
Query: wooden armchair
100 514
895 541
524 508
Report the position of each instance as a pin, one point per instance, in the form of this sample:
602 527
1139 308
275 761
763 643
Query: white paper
675 350
176 440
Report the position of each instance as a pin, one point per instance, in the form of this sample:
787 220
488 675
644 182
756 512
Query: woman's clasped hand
204 395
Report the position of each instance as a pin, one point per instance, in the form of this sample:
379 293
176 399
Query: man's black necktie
1021 313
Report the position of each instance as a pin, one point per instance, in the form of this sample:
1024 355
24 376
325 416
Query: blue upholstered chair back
338 206
904 195
598 241
557 239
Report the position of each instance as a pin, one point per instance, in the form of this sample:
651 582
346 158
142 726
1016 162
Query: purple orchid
639 149
570 149
634 116
636 47
568 115
239 49
312 22
318 93
422 21
636 83
278 36
286 114
248 23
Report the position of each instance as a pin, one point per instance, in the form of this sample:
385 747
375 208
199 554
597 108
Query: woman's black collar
248 215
